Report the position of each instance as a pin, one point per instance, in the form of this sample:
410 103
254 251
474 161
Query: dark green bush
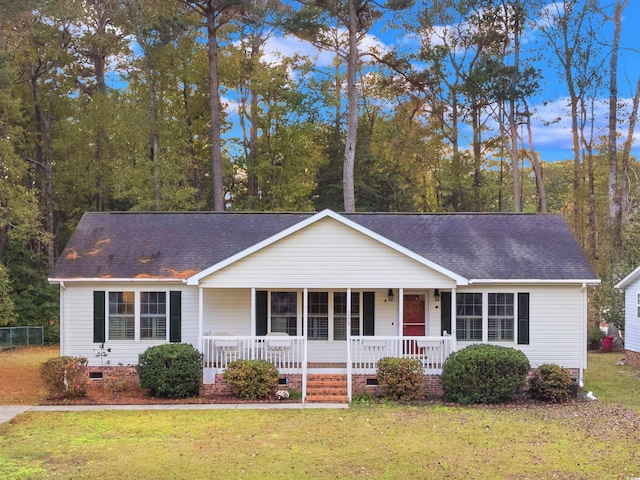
173 370
251 379
65 377
484 374
400 378
550 383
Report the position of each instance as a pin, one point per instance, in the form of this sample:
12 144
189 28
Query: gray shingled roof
178 245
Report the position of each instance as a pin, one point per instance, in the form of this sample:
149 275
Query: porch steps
327 388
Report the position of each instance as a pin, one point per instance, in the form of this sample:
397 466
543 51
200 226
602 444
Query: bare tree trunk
216 113
535 162
626 153
615 211
352 123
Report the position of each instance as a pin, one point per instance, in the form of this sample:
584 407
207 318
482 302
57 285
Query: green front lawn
582 440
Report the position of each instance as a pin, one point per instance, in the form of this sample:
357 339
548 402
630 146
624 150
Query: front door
413 317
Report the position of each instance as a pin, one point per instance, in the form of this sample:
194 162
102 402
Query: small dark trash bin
607 344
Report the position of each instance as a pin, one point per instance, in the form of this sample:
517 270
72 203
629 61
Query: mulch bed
139 396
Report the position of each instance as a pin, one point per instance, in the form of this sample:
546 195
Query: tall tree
314 22
216 14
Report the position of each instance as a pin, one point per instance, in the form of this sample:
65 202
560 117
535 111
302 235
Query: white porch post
400 310
305 310
453 320
201 318
349 379
253 323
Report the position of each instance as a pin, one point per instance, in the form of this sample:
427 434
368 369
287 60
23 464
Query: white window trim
137 307
485 318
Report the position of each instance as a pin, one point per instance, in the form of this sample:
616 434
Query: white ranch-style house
323 293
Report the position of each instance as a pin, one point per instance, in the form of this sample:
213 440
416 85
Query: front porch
291 355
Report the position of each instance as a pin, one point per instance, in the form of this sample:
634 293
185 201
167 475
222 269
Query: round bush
65 377
550 383
484 374
173 370
400 378
251 379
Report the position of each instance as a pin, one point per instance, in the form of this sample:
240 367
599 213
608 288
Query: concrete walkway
8 412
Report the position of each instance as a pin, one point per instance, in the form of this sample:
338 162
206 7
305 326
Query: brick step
327 399
327 388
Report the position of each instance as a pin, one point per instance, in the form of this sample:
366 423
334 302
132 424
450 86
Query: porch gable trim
195 279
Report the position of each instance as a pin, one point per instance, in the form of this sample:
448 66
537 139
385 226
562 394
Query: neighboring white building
631 286
323 292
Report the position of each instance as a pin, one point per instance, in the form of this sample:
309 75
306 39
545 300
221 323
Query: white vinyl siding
327 255
632 317
77 310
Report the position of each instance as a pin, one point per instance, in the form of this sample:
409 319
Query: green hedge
550 383
484 374
251 379
173 370
400 378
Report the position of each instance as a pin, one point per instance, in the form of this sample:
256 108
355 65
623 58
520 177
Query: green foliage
65 377
251 379
7 308
550 383
484 374
400 378
363 399
295 394
173 370
595 334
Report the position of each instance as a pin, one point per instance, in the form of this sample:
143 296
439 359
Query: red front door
413 316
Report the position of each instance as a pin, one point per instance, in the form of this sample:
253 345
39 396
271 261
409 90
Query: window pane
121 316
284 312
318 316
153 315
469 316
501 318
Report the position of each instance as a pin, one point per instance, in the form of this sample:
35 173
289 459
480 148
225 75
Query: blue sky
552 126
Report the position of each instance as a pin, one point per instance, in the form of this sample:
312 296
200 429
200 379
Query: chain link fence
11 337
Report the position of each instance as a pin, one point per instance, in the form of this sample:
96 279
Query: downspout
583 336
349 366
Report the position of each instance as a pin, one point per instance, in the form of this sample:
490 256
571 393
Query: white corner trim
195 279
622 284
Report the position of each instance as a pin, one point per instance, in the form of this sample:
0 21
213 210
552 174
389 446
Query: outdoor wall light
390 295
436 295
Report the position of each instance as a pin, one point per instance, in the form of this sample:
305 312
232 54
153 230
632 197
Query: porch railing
285 352
289 356
431 352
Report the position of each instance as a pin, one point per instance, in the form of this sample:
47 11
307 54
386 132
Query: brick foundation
219 388
98 375
431 386
632 358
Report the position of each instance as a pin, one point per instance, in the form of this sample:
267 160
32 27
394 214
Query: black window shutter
99 317
445 312
368 313
523 318
175 316
261 312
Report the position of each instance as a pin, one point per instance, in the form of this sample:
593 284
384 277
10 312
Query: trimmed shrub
65 377
400 378
173 370
251 379
484 374
550 383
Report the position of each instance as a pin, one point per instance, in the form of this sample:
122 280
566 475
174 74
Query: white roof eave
195 279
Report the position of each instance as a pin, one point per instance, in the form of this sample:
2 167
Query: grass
583 440
20 382
613 383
